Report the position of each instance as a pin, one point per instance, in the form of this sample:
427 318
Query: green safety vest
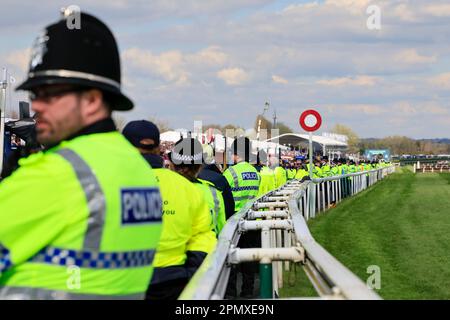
301 173
344 169
215 202
290 174
267 181
326 170
186 220
244 181
315 171
79 221
280 176
335 171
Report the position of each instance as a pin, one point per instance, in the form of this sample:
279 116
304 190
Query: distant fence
412 161
427 167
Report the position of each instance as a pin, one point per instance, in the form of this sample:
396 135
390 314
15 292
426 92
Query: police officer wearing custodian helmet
72 227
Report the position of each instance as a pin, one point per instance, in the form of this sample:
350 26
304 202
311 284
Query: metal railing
282 216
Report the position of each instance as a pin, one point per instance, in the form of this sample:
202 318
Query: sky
219 61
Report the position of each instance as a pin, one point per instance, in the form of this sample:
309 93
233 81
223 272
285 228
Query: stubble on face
59 120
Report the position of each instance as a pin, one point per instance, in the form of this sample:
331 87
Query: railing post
265 267
265 276
312 200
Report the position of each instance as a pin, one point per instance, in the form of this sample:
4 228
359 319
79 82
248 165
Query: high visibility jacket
244 181
326 170
186 225
216 205
81 220
345 169
334 171
280 176
290 174
352 168
301 173
267 181
315 171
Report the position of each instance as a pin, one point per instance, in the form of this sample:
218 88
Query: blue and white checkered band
140 205
94 259
39 49
5 259
249 176
183 158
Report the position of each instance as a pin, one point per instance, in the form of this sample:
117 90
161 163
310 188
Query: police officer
210 172
186 159
302 173
72 227
244 181
266 174
180 250
190 147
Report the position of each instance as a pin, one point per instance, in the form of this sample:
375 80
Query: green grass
402 225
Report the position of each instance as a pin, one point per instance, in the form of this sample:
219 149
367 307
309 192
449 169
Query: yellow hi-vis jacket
244 181
267 181
280 176
187 225
215 203
73 228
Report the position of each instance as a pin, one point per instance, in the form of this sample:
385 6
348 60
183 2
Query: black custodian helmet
87 56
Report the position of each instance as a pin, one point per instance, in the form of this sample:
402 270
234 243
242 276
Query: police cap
86 56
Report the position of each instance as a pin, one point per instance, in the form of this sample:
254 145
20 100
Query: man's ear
92 103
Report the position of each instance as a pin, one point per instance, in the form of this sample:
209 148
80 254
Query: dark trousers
168 290
248 270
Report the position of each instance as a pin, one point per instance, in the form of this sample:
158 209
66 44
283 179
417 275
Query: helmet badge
39 49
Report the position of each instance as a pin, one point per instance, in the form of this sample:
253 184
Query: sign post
311 129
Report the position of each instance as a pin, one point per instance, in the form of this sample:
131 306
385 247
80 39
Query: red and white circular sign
314 114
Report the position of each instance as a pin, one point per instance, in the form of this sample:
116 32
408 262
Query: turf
402 225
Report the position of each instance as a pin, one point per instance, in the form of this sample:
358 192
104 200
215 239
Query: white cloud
175 66
353 6
442 80
212 56
405 13
435 109
168 65
366 109
233 76
280 80
438 10
404 108
411 56
19 59
366 81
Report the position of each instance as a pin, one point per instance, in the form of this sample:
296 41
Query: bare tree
353 139
162 125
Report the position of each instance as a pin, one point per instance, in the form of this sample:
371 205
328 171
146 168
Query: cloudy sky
219 60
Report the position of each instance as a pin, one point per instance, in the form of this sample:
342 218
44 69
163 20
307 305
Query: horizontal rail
252 215
294 254
259 225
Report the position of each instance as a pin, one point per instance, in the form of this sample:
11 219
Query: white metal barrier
285 237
